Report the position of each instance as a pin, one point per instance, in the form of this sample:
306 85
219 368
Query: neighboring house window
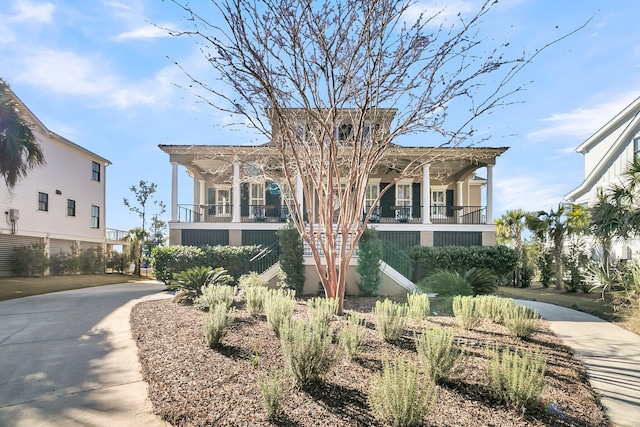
95 216
95 174
345 133
371 194
43 202
438 203
71 207
636 147
403 195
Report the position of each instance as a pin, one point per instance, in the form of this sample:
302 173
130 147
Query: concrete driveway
67 358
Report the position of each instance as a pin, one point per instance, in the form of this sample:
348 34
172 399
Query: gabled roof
31 118
631 116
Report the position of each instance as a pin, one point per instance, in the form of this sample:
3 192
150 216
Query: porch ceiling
448 165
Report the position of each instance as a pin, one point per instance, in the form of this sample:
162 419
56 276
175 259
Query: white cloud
33 12
528 193
582 122
146 32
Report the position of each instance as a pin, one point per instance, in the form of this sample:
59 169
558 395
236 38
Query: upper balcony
223 213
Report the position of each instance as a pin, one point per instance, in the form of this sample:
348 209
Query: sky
101 74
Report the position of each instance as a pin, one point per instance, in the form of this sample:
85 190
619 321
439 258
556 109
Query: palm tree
136 237
554 227
19 150
509 229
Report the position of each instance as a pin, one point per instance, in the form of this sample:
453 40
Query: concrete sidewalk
68 358
610 354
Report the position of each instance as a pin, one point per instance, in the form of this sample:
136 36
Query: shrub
482 281
351 336
521 322
251 279
493 307
291 257
307 350
279 305
91 261
437 353
322 309
398 397
369 255
254 297
29 260
272 392
446 283
189 283
62 264
213 295
466 312
216 323
419 306
517 377
390 318
500 260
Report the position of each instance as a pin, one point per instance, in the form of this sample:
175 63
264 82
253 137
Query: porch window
403 194
257 198
373 190
438 203
219 201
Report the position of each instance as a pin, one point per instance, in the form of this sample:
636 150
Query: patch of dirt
192 385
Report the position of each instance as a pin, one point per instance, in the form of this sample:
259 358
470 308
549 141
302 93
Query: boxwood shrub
169 260
499 259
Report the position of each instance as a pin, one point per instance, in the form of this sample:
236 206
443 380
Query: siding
457 238
205 237
7 243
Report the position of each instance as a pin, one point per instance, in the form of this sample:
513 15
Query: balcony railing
381 214
113 234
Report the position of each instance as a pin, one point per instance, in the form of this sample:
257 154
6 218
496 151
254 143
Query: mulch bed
192 385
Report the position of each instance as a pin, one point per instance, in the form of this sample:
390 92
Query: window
636 146
71 207
438 203
256 198
345 133
95 174
403 194
95 216
371 194
43 202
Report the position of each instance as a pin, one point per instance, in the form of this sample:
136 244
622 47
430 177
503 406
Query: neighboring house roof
31 118
631 116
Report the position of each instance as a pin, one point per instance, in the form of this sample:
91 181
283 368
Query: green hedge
168 260
499 259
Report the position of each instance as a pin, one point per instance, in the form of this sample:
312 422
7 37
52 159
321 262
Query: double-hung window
43 202
95 216
71 207
95 171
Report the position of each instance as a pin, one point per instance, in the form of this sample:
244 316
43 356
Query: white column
236 192
459 201
174 191
202 198
489 194
426 194
299 192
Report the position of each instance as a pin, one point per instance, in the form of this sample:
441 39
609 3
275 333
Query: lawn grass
591 303
17 287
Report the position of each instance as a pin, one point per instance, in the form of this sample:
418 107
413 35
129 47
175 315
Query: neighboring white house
60 204
607 156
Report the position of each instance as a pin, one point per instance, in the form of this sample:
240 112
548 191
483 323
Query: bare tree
332 84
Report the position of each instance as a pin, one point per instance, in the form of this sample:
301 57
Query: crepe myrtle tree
292 70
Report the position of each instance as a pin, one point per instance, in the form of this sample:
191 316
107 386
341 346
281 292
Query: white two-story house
60 204
607 156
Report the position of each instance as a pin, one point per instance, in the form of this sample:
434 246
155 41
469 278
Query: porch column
201 198
489 194
299 191
426 194
236 192
459 201
174 191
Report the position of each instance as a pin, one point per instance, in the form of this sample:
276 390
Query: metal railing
381 215
397 259
266 258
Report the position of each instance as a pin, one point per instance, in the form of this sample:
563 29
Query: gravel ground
192 385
